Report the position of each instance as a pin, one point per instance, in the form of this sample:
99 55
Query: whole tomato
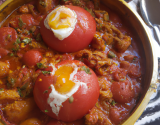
68 92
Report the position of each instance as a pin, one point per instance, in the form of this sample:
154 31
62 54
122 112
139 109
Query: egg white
64 32
56 99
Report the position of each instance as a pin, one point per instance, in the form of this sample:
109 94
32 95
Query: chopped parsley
8 36
26 40
38 37
46 91
45 110
87 70
20 92
40 65
15 49
11 54
49 87
17 41
71 99
111 54
113 103
106 17
46 72
134 59
12 80
21 23
30 31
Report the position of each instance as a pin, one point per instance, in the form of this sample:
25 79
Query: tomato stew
113 55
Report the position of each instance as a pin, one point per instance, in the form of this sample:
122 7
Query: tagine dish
68 62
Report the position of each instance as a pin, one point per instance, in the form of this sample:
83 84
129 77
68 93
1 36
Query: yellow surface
63 85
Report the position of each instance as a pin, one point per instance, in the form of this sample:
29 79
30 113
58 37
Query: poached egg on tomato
66 85
61 21
68 28
68 92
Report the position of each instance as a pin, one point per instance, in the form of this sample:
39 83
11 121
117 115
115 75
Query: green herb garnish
111 54
45 110
40 65
12 80
46 91
46 72
27 40
15 49
113 103
87 70
38 37
134 59
21 23
17 41
11 54
71 99
20 92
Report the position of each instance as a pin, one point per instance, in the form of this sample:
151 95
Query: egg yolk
63 85
60 18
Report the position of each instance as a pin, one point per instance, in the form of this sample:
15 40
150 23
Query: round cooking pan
151 63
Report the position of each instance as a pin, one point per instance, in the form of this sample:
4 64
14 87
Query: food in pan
68 62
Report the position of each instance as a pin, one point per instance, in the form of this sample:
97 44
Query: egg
68 90
68 28
61 21
66 85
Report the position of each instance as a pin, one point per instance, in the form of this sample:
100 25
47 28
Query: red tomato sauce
113 55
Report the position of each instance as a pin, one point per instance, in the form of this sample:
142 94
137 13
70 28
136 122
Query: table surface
151 115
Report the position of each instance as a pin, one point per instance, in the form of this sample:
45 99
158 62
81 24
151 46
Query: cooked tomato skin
80 37
84 98
31 57
123 92
8 36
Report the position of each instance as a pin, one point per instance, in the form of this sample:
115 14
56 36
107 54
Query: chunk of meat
124 64
98 43
23 9
3 121
120 74
129 58
108 38
97 117
45 5
9 95
121 45
4 68
19 110
105 95
104 84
